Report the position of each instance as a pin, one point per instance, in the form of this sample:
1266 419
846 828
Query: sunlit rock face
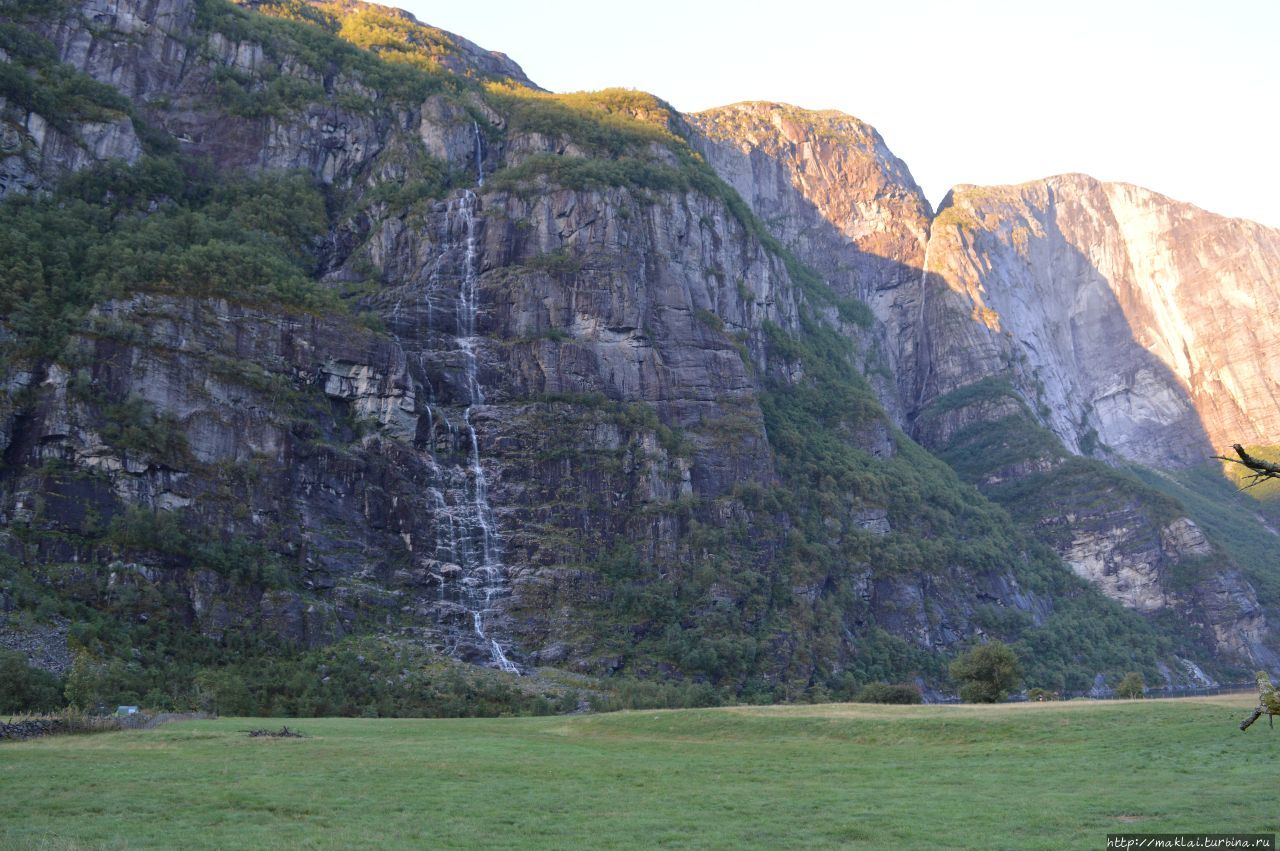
1122 313
1121 320
1129 320
828 186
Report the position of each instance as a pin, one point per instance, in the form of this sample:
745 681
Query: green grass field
1013 776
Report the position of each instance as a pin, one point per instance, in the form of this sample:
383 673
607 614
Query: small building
126 710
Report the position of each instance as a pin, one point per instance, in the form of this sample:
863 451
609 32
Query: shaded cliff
1126 322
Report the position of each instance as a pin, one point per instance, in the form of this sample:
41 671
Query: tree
1268 702
223 692
26 689
1132 685
986 673
84 682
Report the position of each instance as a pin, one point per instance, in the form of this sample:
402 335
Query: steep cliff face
833 192
1126 320
555 362
247 91
513 377
1067 304
1129 316
827 184
1132 316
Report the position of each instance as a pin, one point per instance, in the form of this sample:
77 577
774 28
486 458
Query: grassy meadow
840 775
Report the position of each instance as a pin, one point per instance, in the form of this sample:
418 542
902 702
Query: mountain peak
765 118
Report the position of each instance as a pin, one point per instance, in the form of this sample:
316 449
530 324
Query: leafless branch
1262 470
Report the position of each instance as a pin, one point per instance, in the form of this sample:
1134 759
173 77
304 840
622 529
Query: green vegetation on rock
36 83
888 693
1228 517
156 227
285 32
26 689
1022 466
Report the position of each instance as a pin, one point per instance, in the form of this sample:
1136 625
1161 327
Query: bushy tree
1132 685
26 689
1268 701
986 673
84 682
223 692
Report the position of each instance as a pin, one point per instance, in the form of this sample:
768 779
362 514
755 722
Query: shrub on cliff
116 230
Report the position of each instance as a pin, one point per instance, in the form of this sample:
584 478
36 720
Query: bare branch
1257 713
1262 470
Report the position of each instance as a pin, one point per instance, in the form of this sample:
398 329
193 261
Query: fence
1158 693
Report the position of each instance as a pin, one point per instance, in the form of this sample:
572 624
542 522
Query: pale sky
1180 97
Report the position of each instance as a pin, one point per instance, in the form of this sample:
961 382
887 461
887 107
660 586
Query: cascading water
437 328
466 534
483 581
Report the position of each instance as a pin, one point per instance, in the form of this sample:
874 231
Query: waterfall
482 576
436 326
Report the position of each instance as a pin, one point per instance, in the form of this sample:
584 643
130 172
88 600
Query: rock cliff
830 188
1133 317
1113 317
1127 323
522 379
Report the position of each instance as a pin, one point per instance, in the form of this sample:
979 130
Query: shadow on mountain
1050 324
1002 377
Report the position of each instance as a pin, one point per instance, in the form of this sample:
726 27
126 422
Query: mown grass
1024 776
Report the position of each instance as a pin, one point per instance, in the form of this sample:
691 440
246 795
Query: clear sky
1181 97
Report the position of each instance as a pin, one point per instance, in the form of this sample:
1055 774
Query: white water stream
467 543
481 581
